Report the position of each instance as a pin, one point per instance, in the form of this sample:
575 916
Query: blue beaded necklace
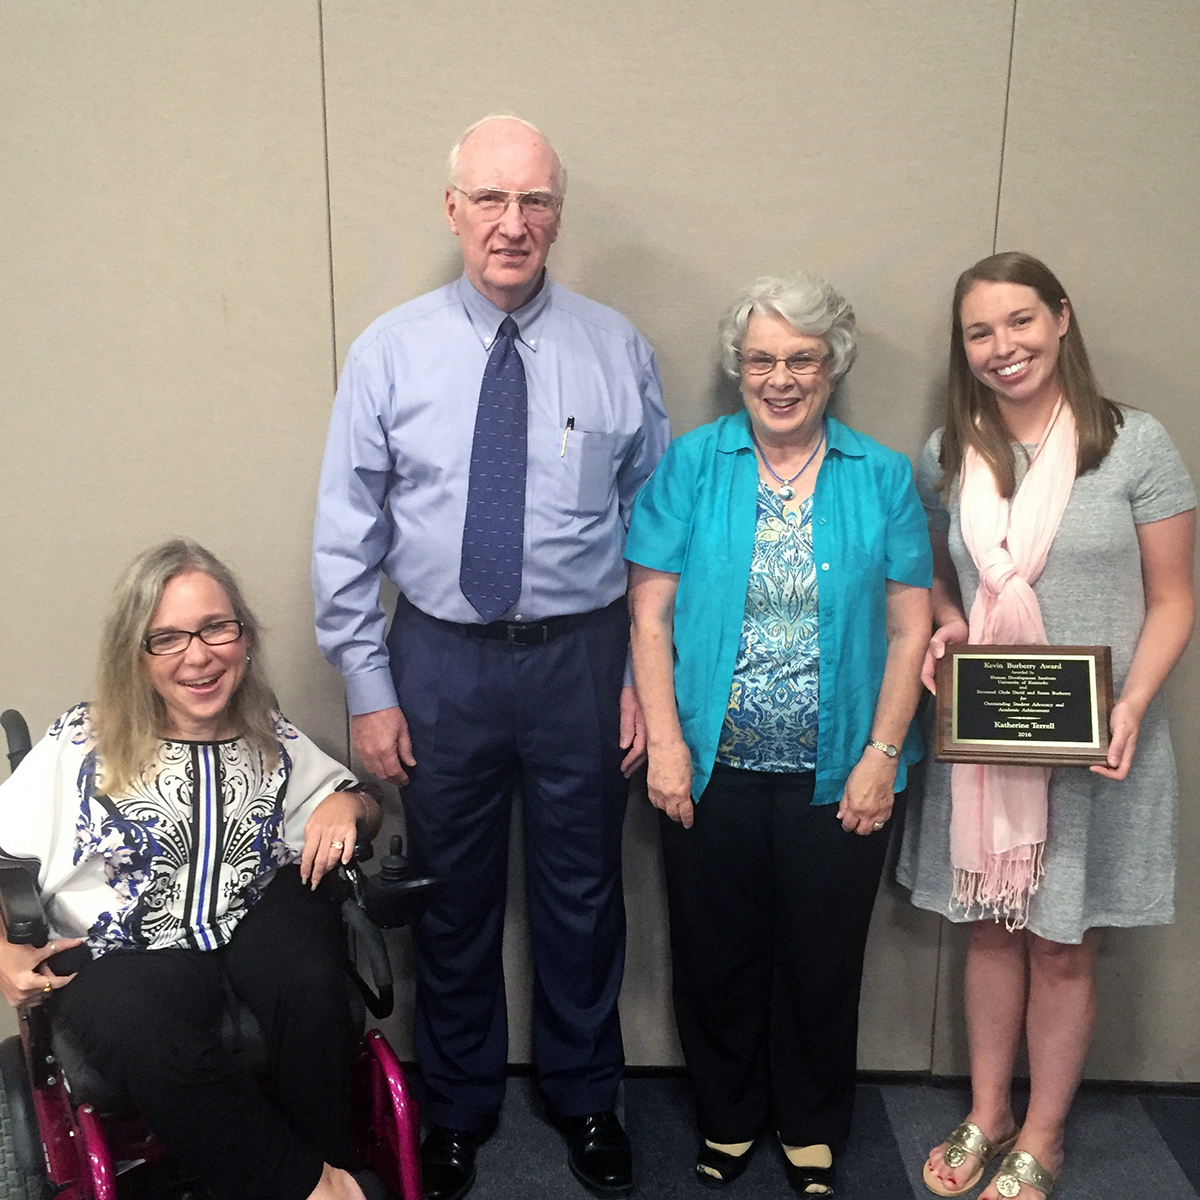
786 491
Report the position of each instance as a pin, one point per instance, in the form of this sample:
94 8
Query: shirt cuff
371 691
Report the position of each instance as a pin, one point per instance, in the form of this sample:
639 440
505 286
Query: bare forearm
945 595
946 604
654 672
1163 639
908 627
901 688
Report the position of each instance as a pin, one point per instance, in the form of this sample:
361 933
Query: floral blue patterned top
771 721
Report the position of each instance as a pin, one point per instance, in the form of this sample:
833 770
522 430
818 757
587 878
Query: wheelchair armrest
21 905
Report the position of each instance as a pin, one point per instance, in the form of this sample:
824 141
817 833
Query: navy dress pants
770 902
484 717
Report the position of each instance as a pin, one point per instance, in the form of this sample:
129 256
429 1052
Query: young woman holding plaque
1056 517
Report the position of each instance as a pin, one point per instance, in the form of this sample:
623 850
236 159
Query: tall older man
486 443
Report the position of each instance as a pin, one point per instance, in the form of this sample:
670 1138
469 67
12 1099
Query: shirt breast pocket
588 480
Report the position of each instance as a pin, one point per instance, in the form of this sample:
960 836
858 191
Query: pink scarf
998 819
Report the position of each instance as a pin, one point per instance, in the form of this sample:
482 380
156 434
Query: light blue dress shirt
696 518
393 490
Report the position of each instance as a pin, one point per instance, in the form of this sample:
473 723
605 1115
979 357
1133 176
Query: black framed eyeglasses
176 641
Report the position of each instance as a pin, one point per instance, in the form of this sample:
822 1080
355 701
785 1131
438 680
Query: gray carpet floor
1121 1145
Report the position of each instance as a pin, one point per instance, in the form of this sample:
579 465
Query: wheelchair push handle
20 904
17 733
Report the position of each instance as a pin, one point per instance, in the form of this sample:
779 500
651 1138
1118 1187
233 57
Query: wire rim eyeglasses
797 364
538 208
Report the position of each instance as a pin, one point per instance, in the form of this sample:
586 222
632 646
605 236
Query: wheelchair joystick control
397 895
394 865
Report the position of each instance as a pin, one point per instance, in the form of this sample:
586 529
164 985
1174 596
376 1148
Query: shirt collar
486 318
734 435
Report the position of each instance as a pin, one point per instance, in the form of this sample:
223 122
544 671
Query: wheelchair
64 1133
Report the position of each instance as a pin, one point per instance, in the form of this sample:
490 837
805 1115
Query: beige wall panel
166 333
1101 174
707 144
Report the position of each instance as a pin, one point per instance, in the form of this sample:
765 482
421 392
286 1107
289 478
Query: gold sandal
968 1138
1021 1167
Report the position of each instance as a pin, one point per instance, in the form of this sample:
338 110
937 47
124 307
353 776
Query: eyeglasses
176 641
538 208
798 364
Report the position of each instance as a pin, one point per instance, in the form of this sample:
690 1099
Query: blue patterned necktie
493 543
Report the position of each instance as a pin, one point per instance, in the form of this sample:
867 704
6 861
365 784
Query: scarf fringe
1004 887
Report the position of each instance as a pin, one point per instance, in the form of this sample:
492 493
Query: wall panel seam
333 351
328 196
1012 42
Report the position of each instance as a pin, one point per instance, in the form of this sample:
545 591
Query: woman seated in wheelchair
183 829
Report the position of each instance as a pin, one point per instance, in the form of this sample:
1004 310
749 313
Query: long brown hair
127 713
972 415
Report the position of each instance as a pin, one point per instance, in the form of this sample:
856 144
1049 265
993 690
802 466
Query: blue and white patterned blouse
179 856
771 721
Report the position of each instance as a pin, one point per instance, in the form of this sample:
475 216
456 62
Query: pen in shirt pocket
569 426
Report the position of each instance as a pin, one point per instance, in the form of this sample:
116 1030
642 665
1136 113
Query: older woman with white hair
780 604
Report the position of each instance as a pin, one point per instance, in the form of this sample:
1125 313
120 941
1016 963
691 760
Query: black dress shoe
597 1152
448 1161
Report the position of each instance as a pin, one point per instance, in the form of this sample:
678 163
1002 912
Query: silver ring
52 945
880 824
338 845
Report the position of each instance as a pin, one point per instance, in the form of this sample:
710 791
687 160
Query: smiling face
785 409
1011 339
196 684
503 256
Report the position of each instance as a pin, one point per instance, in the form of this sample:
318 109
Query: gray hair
127 712
807 302
560 172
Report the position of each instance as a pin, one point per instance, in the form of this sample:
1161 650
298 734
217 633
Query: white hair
452 166
807 302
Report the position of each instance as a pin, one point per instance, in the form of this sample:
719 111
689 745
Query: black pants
149 1020
770 902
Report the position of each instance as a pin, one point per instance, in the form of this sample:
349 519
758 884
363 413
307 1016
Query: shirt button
824 566
518 617
820 520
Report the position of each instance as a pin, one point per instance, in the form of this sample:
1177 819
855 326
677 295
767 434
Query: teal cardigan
695 517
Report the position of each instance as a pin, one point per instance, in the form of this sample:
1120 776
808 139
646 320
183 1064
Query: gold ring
48 988
880 824
338 845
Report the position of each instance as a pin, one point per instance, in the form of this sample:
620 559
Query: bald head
484 133
504 237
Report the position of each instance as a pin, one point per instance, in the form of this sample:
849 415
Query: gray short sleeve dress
1110 846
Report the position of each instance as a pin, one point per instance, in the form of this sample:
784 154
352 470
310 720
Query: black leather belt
532 633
